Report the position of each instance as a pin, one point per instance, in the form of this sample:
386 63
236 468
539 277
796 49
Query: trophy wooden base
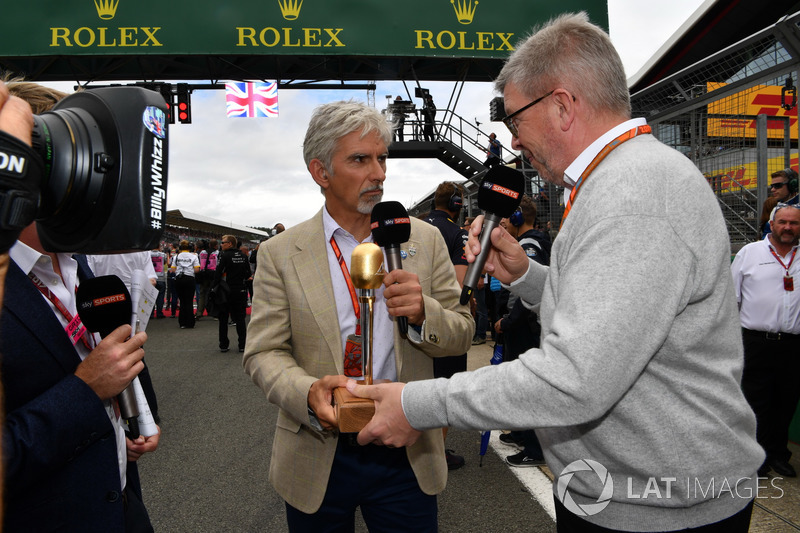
352 412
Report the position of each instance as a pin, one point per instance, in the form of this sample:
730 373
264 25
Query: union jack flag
248 99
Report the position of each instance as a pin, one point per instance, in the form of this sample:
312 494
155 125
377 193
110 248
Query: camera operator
68 463
15 120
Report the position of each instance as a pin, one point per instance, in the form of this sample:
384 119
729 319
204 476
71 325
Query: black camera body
105 153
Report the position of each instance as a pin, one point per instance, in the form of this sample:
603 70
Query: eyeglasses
509 119
778 185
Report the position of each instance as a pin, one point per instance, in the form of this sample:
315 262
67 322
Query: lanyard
788 282
75 328
350 287
785 267
630 134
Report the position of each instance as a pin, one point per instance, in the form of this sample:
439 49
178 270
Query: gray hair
572 53
330 122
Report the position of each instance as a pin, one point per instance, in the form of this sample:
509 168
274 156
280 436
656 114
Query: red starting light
184 104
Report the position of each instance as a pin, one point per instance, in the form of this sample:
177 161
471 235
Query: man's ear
566 108
318 172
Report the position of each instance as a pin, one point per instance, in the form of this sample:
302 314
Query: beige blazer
293 339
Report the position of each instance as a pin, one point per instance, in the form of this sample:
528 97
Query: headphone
517 219
455 203
792 176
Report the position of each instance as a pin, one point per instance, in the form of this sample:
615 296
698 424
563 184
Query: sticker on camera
155 120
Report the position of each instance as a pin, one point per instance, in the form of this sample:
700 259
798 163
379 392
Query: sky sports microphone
391 227
104 304
499 195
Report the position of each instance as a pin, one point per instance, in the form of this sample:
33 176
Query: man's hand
16 117
389 425
142 445
403 295
320 399
110 367
506 260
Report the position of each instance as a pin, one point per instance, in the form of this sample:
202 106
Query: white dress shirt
383 364
764 304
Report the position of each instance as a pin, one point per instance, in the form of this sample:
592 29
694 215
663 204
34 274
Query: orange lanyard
350 287
630 134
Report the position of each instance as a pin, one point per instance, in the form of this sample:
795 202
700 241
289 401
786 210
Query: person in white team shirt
766 278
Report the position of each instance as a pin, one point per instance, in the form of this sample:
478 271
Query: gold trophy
366 272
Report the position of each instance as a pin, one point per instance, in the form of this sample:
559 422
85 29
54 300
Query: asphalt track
210 471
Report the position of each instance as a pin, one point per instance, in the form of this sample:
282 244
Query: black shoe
782 467
509 440
523 461
223 350
454 462
241 350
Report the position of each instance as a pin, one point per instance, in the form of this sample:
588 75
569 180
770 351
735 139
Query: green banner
415 28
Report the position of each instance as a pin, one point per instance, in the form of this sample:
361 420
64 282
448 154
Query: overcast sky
251 171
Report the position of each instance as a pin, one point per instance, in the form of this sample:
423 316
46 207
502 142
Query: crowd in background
205 247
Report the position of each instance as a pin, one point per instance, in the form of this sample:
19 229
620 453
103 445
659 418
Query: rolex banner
445 28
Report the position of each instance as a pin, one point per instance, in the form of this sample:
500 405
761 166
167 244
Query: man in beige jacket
303 314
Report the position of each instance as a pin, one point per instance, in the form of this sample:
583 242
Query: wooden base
352 412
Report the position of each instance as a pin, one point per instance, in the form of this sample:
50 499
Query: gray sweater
641 355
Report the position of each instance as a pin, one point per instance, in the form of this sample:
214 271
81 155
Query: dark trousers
769 383
446 367
203 286
380 481
566 522
136 518
162 288
491 161
236 308
172 295
184 286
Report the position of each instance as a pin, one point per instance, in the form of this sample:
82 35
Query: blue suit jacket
59 446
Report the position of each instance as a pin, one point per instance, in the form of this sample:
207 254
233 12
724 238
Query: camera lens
105 157
72 192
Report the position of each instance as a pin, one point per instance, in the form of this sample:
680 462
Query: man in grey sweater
635 391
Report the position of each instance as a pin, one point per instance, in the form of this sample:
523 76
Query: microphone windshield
501 191
390 224
104 304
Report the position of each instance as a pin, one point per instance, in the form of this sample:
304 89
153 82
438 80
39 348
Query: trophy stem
367 301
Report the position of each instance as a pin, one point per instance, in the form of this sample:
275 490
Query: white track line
535 481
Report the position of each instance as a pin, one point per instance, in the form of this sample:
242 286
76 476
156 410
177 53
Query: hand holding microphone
499 195
505 260
104 305
391 227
